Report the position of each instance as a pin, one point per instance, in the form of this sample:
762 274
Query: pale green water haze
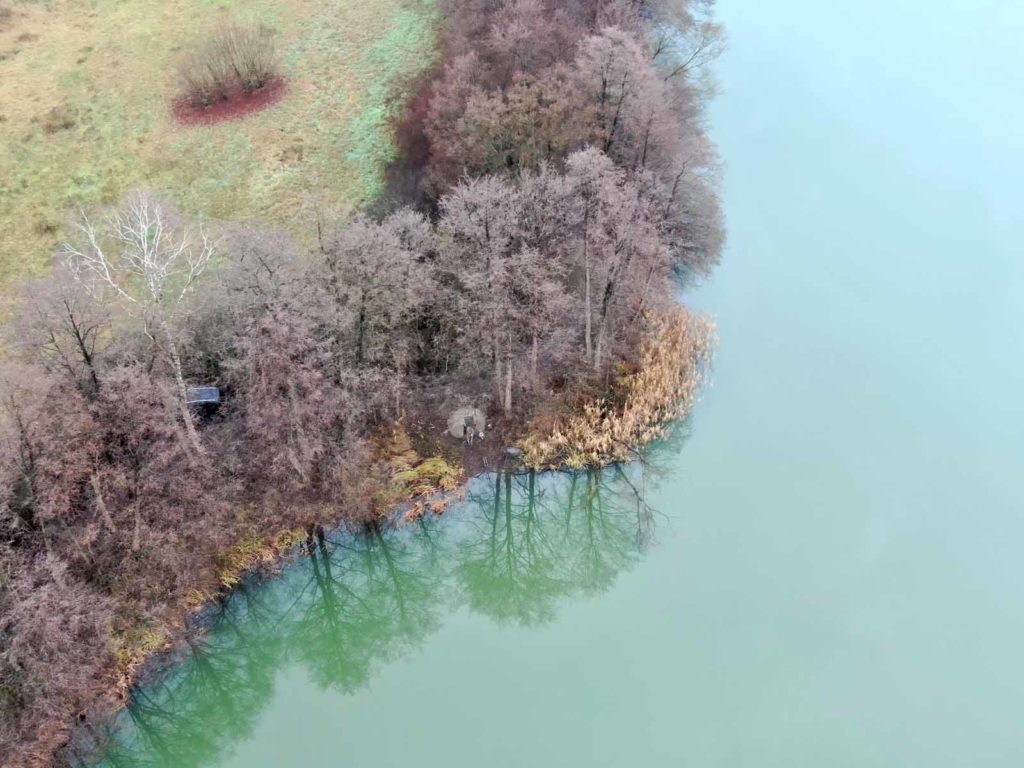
827 571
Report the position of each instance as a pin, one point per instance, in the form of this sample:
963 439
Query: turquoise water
824 570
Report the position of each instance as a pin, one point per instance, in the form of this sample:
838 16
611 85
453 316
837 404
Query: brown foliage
570 181
54 657
662 388
525 84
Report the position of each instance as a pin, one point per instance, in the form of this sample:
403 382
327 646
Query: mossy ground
85 112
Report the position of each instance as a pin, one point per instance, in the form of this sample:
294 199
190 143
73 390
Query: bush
203 78
236 57
250 51
58 119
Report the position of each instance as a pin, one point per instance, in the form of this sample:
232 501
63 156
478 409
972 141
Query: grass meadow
86 88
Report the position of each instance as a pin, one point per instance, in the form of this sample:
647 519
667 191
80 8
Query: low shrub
61 118
408 475
237 58
250 51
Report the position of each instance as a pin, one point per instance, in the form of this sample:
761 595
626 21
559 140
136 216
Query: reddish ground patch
237 105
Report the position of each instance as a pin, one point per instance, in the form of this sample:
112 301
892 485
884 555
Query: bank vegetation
555 188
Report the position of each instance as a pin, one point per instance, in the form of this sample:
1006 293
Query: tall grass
670 371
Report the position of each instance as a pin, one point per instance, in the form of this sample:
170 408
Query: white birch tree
150 259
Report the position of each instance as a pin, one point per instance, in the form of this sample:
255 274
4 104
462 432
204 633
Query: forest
554 189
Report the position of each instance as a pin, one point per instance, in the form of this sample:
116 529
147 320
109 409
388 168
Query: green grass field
85 94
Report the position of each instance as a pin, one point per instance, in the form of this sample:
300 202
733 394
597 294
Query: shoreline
268 564
664 401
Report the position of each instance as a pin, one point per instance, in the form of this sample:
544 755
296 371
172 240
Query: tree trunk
361 336
599 351
179 379
296 434
602 328
647 139
83 351
101 503
186 446
610 140
586 297
643 297
137 533
51 558
534 376
496 356
508 377
610 286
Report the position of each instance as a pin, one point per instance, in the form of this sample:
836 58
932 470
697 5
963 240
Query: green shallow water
826 571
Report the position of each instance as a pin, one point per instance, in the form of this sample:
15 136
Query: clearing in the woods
86 94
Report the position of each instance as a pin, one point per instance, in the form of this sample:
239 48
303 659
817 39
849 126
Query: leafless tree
377 273
480 231
50 440
619 243
150 259
685 43
65 328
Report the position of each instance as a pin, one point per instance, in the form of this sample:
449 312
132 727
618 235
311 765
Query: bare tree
50 439
685 44
291 406
527 36
67 329
480 233
376 271
544 279
149 455
637 120
618 239
151 260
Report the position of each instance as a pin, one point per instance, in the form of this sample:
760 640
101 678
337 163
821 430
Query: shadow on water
520 545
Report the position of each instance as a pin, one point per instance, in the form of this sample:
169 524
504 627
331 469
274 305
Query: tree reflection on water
538 542
519 546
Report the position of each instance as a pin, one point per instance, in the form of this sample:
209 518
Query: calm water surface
825 572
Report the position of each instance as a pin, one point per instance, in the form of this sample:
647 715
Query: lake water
823 569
